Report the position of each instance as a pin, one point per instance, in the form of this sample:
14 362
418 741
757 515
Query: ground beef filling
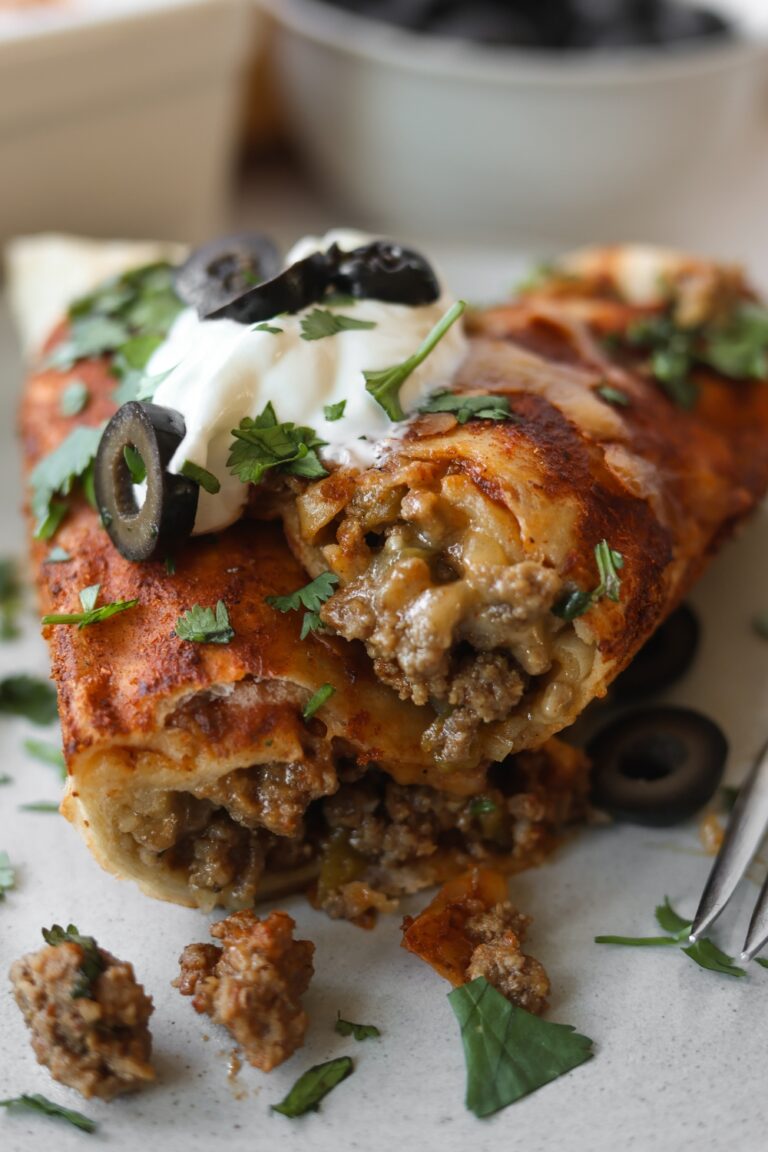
97 1043
252 984
368 842
448 613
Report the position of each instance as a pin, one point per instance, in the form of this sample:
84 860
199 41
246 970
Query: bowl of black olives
510 119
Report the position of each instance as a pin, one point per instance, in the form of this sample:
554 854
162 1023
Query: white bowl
119 117
438 137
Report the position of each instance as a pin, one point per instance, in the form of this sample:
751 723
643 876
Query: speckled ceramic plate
679 1052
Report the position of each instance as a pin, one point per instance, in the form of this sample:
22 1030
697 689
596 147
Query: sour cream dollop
220 371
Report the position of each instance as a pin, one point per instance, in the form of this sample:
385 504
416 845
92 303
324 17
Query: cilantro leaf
201 476
707 955
739 347
323 694
30 697
313 1086
92 963
263 443
49 526
359 1031
334 411
56 473
384 384
7 875
34 1102
10 599
312 597
509 1052
205 625
760 625
320 323
74 398
47 753
90 336
482 806
273 331
90 613
466 408
671 921
638 941
136 466
40 806
576 602
613 396
762 961
57 555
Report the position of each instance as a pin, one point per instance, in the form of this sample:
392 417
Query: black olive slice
166 516
304 283
384 271
657 766
220 272
664 659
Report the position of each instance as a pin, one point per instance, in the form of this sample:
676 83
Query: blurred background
523 124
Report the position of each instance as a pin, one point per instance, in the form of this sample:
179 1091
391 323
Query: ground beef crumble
252 984
100 1043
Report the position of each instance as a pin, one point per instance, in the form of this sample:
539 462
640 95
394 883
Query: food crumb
252 984
94 1039
711 833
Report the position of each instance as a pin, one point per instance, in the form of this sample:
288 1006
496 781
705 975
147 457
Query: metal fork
746 829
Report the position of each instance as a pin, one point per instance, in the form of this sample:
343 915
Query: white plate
679 1052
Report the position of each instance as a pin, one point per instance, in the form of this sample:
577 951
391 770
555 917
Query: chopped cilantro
760 625
201 476
762 961
273 331
576 602
6 779
613 396
92 963
334 411
205 625
170 565
313 1086
509 1052
90 613
263 443
359 1031
47 753
7 875
703 952
10 600
707 955
482 806
312 597
323 694
49 526
384 384
135 463
34 1102
739 347
320 323
126 318
466 408
74 398
40 806
30 697
56 474
57 555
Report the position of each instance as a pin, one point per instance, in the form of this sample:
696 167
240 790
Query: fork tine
757 934
745 830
